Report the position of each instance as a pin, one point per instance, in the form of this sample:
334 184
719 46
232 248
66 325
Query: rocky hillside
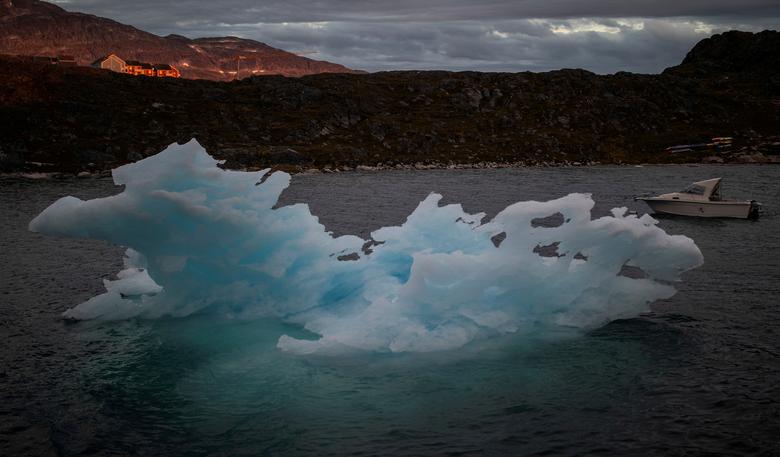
734 52
31 27
82 119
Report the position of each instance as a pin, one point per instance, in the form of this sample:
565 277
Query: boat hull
740 210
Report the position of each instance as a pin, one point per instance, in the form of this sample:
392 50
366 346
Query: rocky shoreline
745 159
77 120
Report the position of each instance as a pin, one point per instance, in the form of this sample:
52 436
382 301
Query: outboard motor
755 210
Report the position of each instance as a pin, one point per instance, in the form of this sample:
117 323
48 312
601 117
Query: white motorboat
702 199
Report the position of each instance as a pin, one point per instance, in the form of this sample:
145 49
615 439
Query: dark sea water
699 375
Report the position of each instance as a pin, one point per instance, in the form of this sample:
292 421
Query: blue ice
206 240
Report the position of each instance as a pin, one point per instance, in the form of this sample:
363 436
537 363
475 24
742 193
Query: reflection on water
694 376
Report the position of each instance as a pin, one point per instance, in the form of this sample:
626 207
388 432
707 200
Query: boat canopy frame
710 189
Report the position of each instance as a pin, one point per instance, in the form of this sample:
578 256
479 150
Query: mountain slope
31 27
733 52
57 118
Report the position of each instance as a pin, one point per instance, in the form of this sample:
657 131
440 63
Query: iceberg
205 240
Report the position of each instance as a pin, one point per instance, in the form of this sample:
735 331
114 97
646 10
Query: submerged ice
206 240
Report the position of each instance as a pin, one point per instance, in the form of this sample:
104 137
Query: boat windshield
715 195
694 189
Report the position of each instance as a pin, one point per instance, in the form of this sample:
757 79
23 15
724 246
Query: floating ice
207 240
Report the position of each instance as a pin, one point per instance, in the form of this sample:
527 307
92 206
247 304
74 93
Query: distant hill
31 27
58 118
733 52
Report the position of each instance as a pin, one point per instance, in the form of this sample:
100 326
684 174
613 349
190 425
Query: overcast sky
603 36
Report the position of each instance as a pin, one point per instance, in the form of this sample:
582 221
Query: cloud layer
603 36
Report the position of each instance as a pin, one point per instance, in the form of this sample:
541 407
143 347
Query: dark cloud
603 36
237 11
